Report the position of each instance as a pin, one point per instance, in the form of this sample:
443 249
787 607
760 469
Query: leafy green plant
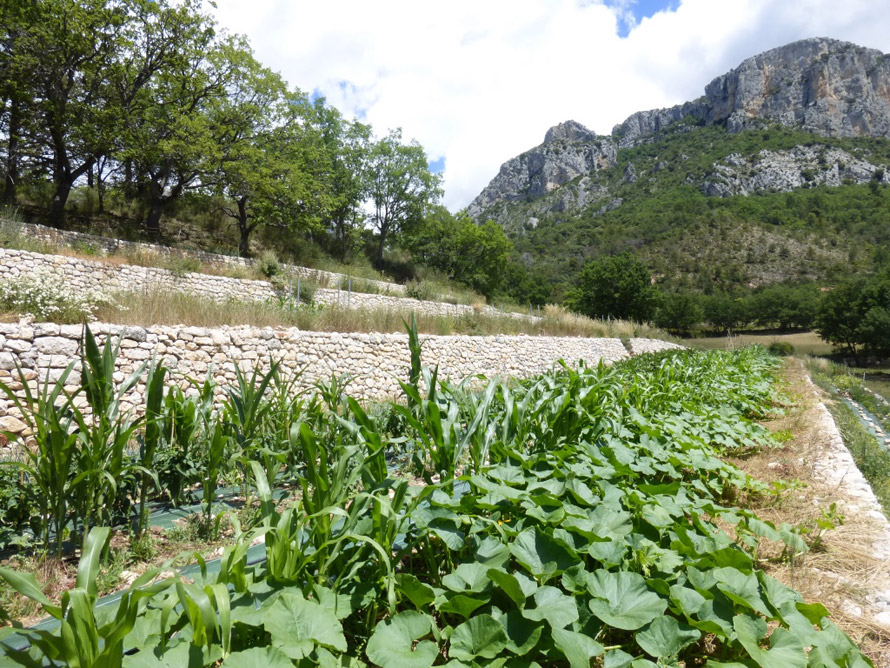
103 464
578 516
53 462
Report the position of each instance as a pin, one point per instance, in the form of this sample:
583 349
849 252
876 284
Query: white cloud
479 81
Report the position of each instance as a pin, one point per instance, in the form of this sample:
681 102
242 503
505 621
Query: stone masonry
374 362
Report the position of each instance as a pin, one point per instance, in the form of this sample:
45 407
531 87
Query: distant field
807 343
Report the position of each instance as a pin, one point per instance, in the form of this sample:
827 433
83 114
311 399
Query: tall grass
158 308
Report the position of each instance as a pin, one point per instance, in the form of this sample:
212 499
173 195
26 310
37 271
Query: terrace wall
108 246
83 276
375 362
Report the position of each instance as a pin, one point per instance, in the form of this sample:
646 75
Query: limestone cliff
569 150
826 86
820 86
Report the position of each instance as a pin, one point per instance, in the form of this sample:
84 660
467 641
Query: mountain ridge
819 85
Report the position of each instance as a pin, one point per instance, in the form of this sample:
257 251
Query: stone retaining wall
86 276
376 362
642 346
108 246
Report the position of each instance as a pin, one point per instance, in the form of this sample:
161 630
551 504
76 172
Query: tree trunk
244 228
380 247
10 194
60 197
153 222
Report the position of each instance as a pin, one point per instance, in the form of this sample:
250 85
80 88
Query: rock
9 423
569 150
826 86
783 171
55 345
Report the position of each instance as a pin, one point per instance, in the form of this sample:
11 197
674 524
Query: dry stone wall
642 346
375 362
108 246
92 276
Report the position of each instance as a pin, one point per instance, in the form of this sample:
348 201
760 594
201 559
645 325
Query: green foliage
855 316
401 187
692 241
556 548
268 264
576 516
786 306
781 348
474 255
614 287
678 312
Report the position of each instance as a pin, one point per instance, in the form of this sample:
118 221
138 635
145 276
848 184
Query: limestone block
55 345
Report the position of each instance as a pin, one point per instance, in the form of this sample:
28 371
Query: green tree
726 312
617 287
64 52
71 72
474 255
341 162
256 171
401 187
178 132
678 312
855 316
16 93
786 306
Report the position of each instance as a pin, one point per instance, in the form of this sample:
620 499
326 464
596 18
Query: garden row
583 514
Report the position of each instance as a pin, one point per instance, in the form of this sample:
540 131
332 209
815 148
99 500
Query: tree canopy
150 99
618 286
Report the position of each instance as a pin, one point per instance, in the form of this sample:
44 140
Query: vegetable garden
583 517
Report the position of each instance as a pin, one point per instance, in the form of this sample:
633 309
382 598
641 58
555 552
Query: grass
805 343
872 459
156 308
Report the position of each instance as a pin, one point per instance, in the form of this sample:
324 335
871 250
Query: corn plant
214 465
151 437
182 430
103 437
52 463
83 640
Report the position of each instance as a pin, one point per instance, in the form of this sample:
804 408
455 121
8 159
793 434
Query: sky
477 82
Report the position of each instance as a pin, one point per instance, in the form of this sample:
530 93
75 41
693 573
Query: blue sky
632 12
477 82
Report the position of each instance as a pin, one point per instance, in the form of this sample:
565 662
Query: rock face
826 86
569 150
822 86
786 170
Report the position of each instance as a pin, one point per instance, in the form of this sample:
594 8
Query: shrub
781 348
46 298
420 290
268 264
183 264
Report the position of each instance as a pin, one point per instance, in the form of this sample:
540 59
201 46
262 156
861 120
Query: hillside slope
777 173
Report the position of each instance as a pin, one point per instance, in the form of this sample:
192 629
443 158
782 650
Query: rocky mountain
820 86
778 172
569 150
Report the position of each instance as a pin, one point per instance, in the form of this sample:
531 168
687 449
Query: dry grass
841 570
156 308
805 343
